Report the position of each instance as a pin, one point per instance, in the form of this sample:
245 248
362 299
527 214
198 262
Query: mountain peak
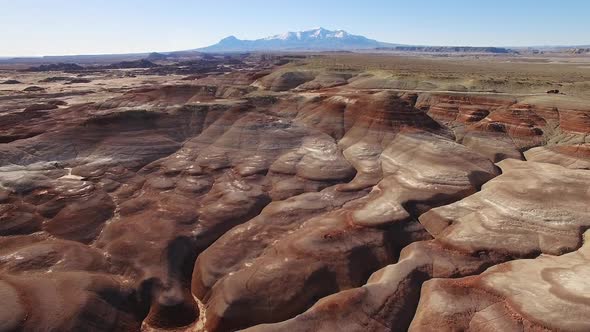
229 39
312 40
318 29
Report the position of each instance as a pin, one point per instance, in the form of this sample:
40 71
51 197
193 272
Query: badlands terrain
304 192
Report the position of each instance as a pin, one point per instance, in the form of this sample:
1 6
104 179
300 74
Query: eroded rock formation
280 199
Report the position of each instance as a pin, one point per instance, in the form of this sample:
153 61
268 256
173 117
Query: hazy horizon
66 27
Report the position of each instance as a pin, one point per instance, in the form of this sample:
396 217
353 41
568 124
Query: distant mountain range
318 39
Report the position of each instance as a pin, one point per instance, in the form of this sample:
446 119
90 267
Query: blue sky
48 27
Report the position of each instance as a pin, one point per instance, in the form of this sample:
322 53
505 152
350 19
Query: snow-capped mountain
315 39
313 34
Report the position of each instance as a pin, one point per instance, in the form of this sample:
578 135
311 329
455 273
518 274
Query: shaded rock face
274 200
57 67
11 82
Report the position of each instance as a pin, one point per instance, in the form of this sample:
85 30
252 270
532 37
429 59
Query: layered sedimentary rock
531 208
570 156
549 293
285 80
494 146
503 127
518 223
68 301
250 197
389 298
335 249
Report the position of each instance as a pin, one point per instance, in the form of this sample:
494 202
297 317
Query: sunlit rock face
243 195
531 208
528 294
570 156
